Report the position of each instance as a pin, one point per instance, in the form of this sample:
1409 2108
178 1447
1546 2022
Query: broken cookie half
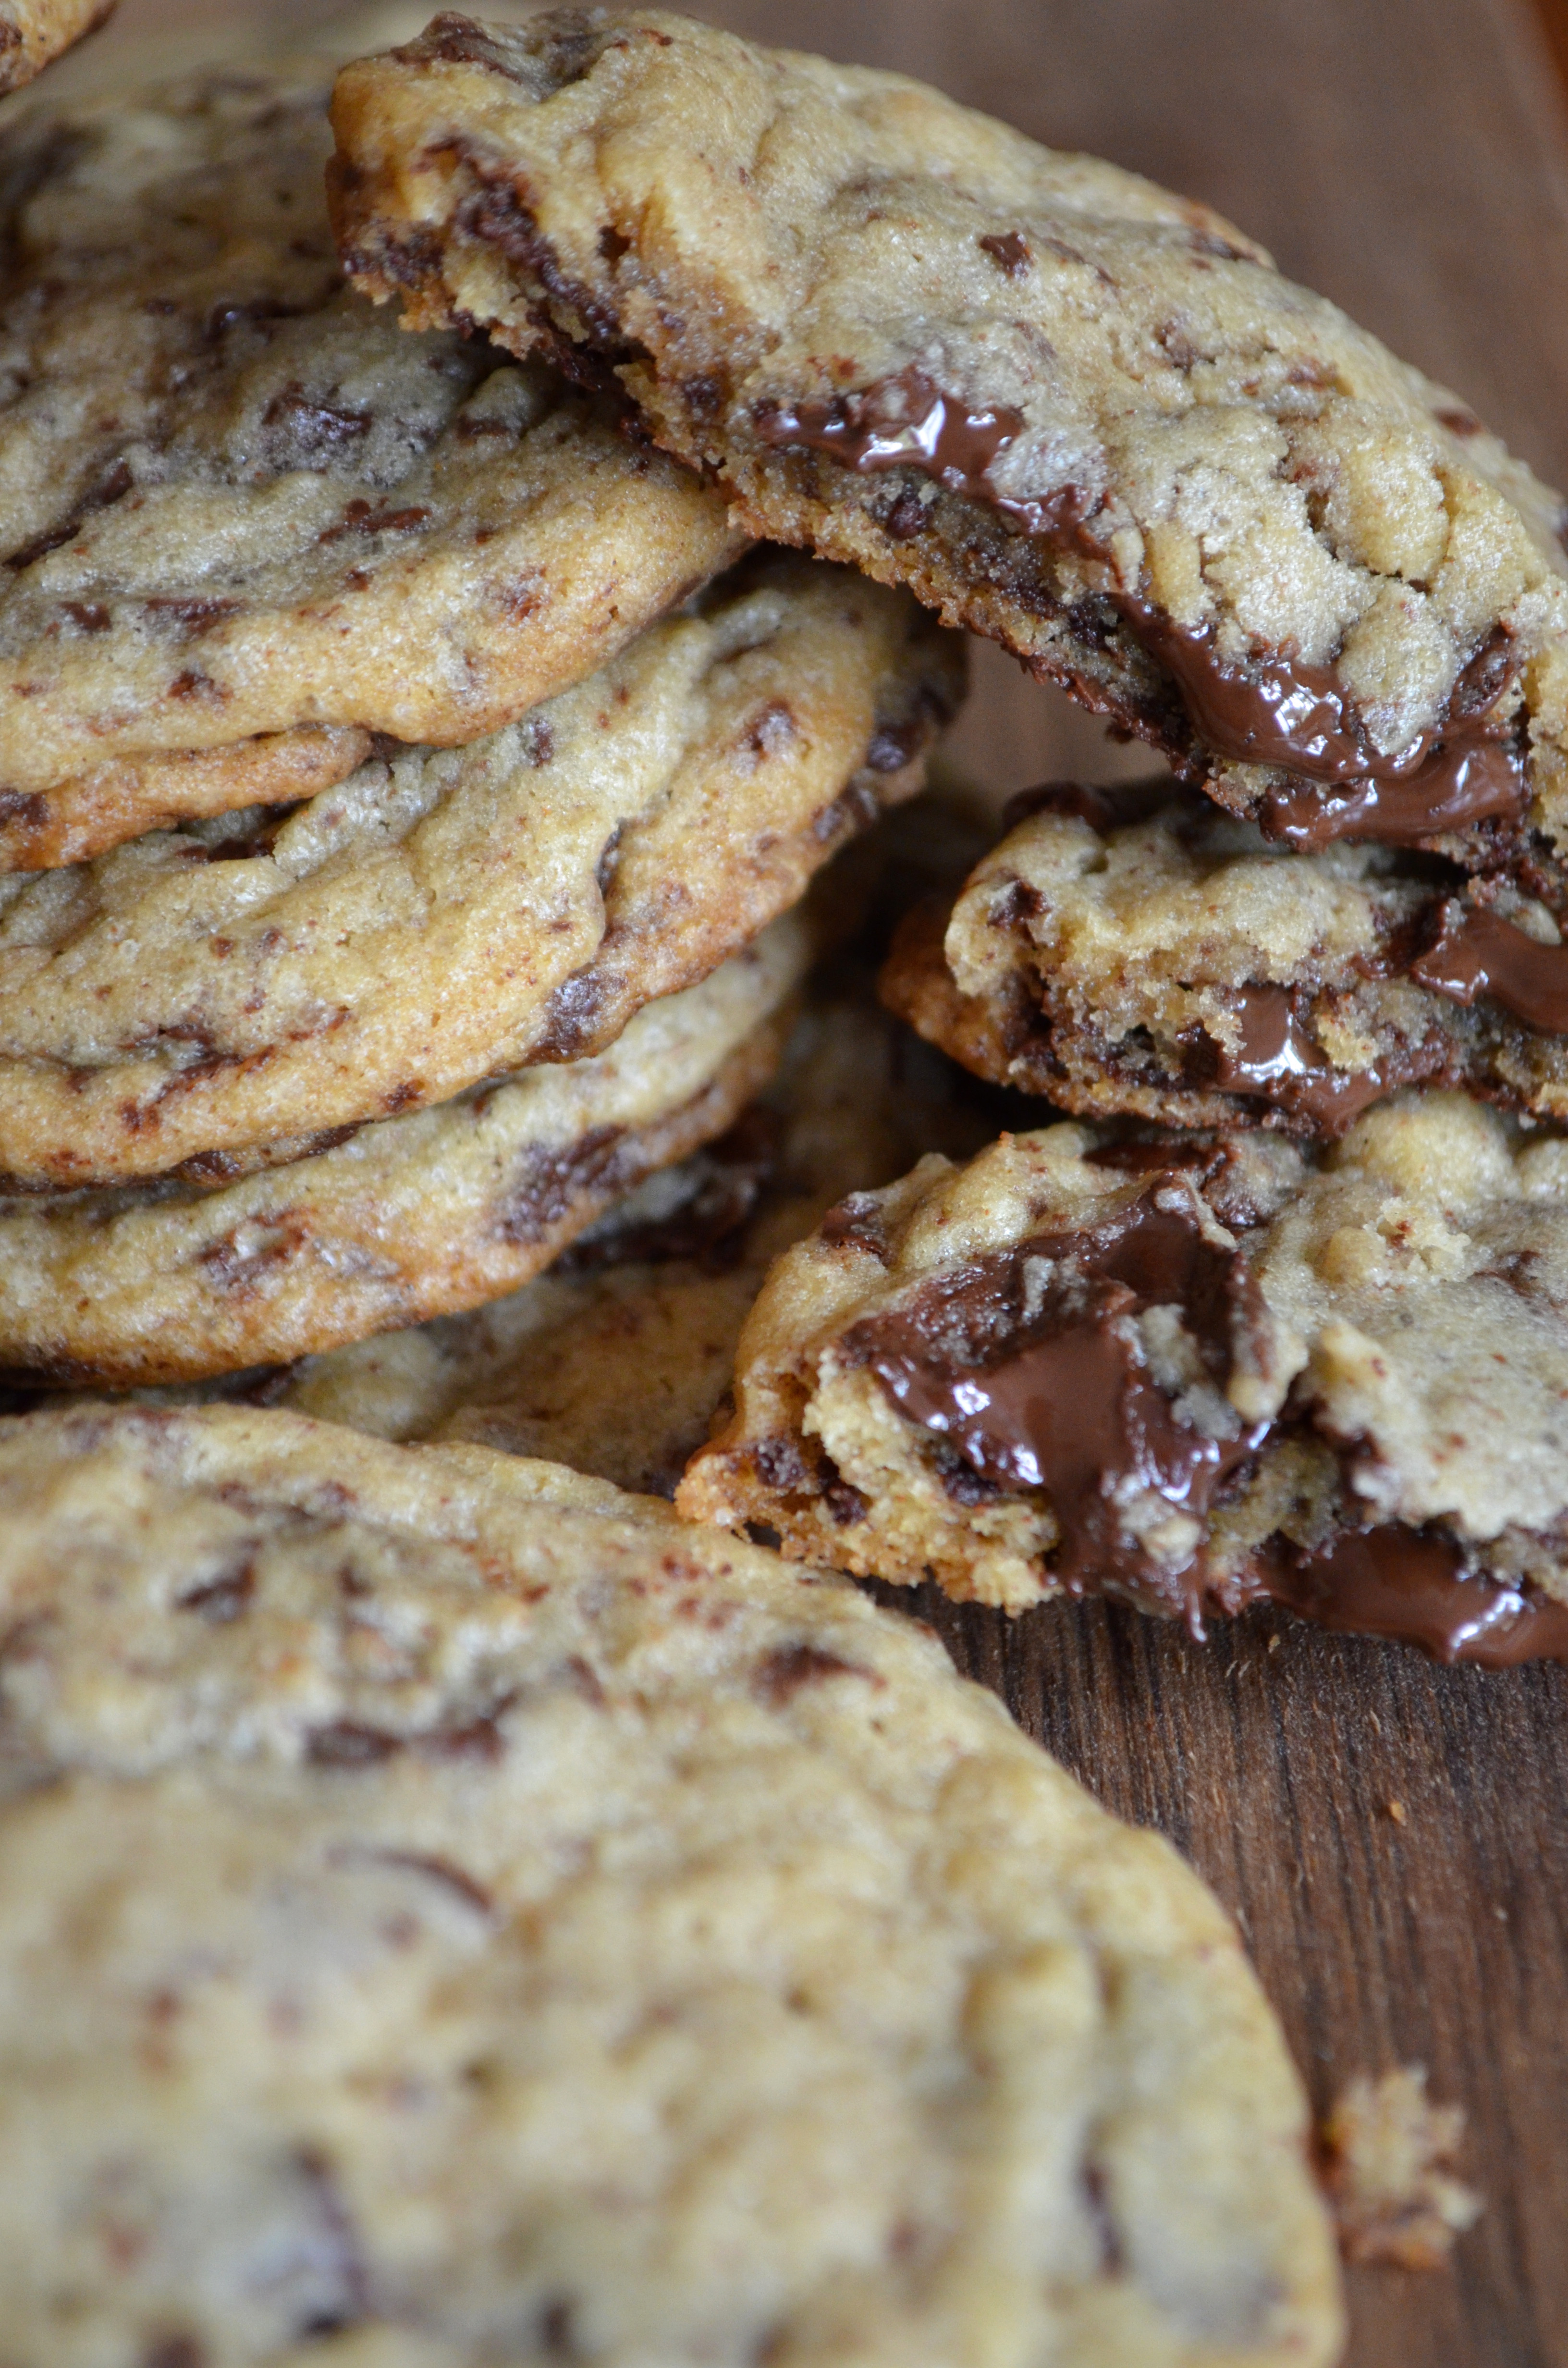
1135 952
1195 1374
1074 412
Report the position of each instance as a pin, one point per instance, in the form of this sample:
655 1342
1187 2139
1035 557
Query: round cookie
453 1907
407 1219
1187 1372
246 523
450 914
1077 413
1136 952
33 33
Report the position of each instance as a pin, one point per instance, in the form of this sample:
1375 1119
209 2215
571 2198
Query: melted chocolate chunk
1478 953
1272 710
1277 1059
907 421
857 1222
1473 776
1275 712
1280 710
1411 1585
904 422
1028 1365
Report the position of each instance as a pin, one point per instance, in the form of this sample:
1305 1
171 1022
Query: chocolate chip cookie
33 33
454 1909
447 915
1193 1372
1074 412
247 524
408 1218
1136 951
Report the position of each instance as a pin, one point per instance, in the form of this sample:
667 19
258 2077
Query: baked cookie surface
433 1888
33 33
454 914
1138 952
616 1359
408 1218
1191 1373
1074 412
246 523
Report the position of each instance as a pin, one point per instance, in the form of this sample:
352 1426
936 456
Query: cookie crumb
1398 1812
1389 2156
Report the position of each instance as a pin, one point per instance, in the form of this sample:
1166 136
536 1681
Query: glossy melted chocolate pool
1028 1363
1028 1367
1273 709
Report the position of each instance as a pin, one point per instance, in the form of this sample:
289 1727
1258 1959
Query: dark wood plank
1270 1755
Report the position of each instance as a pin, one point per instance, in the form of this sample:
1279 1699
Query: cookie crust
520 1875
1072 411
459 913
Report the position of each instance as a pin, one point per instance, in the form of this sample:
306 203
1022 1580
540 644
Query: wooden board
1408 157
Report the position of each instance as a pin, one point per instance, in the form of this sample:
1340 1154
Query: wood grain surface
1409 158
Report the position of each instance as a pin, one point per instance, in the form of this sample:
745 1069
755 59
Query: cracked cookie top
434 1886
446 915
239 504
1074 412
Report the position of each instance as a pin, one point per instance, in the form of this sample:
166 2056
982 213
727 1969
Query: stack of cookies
1285 1314
411 782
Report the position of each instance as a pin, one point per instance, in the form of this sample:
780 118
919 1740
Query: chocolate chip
28 808
779 1465
1010 251
109 489
908 518
857 1222
771 729
345 1745
780 1675
551 1183
224 1598
179 2351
